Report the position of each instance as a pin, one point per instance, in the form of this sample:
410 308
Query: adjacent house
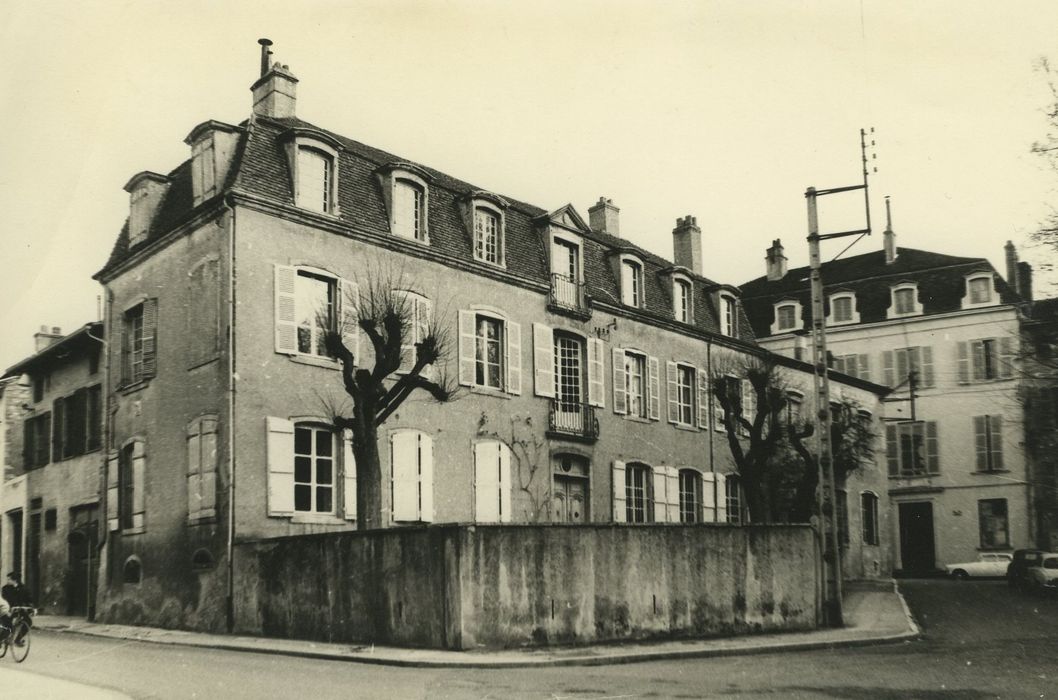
944 333
1039 393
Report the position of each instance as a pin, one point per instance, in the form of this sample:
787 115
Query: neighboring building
14 398
943 332
567 339
1040 396
51 486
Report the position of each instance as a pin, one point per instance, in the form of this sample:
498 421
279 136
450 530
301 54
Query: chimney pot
604 216
275 92
889 238
775 261
687 244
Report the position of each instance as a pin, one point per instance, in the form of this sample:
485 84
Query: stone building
588 353
50 492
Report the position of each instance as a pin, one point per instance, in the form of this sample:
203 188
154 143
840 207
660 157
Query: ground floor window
869 517
313 469
638 500
690 496
733 498
992 518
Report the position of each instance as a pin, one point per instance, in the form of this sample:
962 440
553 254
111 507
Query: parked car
1043 576
1017 572
989 565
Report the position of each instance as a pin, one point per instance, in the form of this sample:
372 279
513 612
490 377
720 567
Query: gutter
232 377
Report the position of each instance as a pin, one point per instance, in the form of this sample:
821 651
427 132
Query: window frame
869 524
728 303
916 306
333 292
968 291
314 483
733 498
688 390
132 344
481 364
640 359
198 469
639 498
691 500
389 177
902 431
682 299
854 314
983 530
632 295
329 149
494 207
777 326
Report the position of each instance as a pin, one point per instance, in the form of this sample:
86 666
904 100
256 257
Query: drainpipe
105 408
230 595
712 464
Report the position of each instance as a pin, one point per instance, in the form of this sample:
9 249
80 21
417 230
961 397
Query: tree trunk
368 477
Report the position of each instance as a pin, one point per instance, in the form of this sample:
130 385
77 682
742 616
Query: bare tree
409 352
1047 148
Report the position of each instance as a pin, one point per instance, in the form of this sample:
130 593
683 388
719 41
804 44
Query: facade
943 333
1040 397
582 362
51 487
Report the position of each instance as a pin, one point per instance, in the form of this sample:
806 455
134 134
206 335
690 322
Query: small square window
51 518
980 290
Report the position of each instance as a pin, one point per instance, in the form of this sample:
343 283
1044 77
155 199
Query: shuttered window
986 359
690 486
126 487
681 390
492 482
314 469
411 476
315 174
202 468
408 210
902 365
490 352
36 441
869 517
988 442
636 383
912 449
638 493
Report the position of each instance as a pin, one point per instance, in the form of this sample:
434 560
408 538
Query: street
982 641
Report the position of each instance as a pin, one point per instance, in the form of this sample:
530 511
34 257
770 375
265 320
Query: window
690 496
315 312
203 169
125 487
309 304
409 220
794 407
904 301
979 290
869 517
733 498
988 440
635 376
901 366
843 516
987 359
786 317
51 519
314 469
852 365
492 482
636 384
843 309
992 518
569 373
638 494
912 448
315 179
76 423
139 325
631 283
411 485
490 351
728 315
202 468
201 560
36 441
682 390
488 236
681 300
132 570
418 310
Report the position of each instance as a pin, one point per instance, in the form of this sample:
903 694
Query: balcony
572 421
568 296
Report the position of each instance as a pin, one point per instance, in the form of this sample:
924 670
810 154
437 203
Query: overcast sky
724 110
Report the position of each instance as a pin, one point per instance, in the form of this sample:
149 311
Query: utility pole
828 525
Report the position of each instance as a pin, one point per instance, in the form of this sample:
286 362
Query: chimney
889 238
603 217
1025 281
1012 266
45 337
776 261
275 92
687 244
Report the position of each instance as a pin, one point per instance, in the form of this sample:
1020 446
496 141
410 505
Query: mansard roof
87 338
260 171
940 278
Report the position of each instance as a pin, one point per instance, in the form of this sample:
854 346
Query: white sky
724 110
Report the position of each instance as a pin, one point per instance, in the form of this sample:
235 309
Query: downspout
108 327
230 596
710 427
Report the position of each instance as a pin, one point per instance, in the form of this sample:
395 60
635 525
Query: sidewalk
875 613
19 684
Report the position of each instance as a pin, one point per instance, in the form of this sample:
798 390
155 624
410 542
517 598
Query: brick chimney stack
888 237
1012 266
604 217
687 244
776 261
1025 281
275 92
45 337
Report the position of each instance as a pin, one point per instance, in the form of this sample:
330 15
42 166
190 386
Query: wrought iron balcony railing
567 294
573 420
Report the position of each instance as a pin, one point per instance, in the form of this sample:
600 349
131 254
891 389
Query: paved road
982 641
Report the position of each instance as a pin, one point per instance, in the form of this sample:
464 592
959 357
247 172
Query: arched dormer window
980 290
787 316
682 299
485 215
313 159
406 191
631 281
904 300
843 309
728 314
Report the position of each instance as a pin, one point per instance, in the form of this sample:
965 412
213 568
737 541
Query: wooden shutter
348 475
709 497
1007 356
487 481
194 469
619 495
981 442
932 448
904 364
888 368
543 360
467 347
514 358
505 483
964 362
150 338
672 492
349 317
404 475
660 499
892 450
279 437
672 391
995 430
703 398
749 401
286 328
58 427
620 390
208 489
721 498
112 492
425 490
596 372
139 474
655 388
864 369
977 349
926 367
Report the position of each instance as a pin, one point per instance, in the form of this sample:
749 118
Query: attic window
406 192
843 309
979 290
313 159
904 301
787 316
631 282
728 315
485 216
203 172
681 300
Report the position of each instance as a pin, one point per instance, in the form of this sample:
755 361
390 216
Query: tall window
912 448
36 432
202 468
869 517
685 394
638 494
487 233
631 283
980 290
133 346
565 274
733 498
636 383
569 372
314 300
488 366
852 365
988 441
898 366
992 518
313 469
76 425
408 214
314 180
728 316
417 309
126 486
987 359
681 300
787 317
690 496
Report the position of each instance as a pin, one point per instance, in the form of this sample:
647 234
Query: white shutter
964 362
672 389
112 493
661 499
721 498
995 429
672 491
286 327
1006 357
425 489
703 398
514 358
487 482
349 318
543 360
864 370
208 489
194 470
348 475
619 513
139 474
404 475
709 497
467 343
280 454
505 483
749 401
981 442
620 391
655 389
596 372
888 371
926 374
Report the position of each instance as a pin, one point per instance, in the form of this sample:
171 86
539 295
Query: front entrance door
916 537
82 564
570 499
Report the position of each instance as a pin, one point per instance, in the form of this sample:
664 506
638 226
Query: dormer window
681 300
904 301
728 315
406 191
485 218
980 290
843 309
787 316
631 282
213 146
313 157
567 277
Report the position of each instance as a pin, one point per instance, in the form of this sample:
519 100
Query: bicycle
17 638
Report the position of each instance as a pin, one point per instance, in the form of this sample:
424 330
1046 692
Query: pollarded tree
409 348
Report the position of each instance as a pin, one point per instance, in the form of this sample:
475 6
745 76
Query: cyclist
13 593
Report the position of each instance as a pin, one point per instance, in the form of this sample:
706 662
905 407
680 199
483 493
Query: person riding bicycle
13 593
